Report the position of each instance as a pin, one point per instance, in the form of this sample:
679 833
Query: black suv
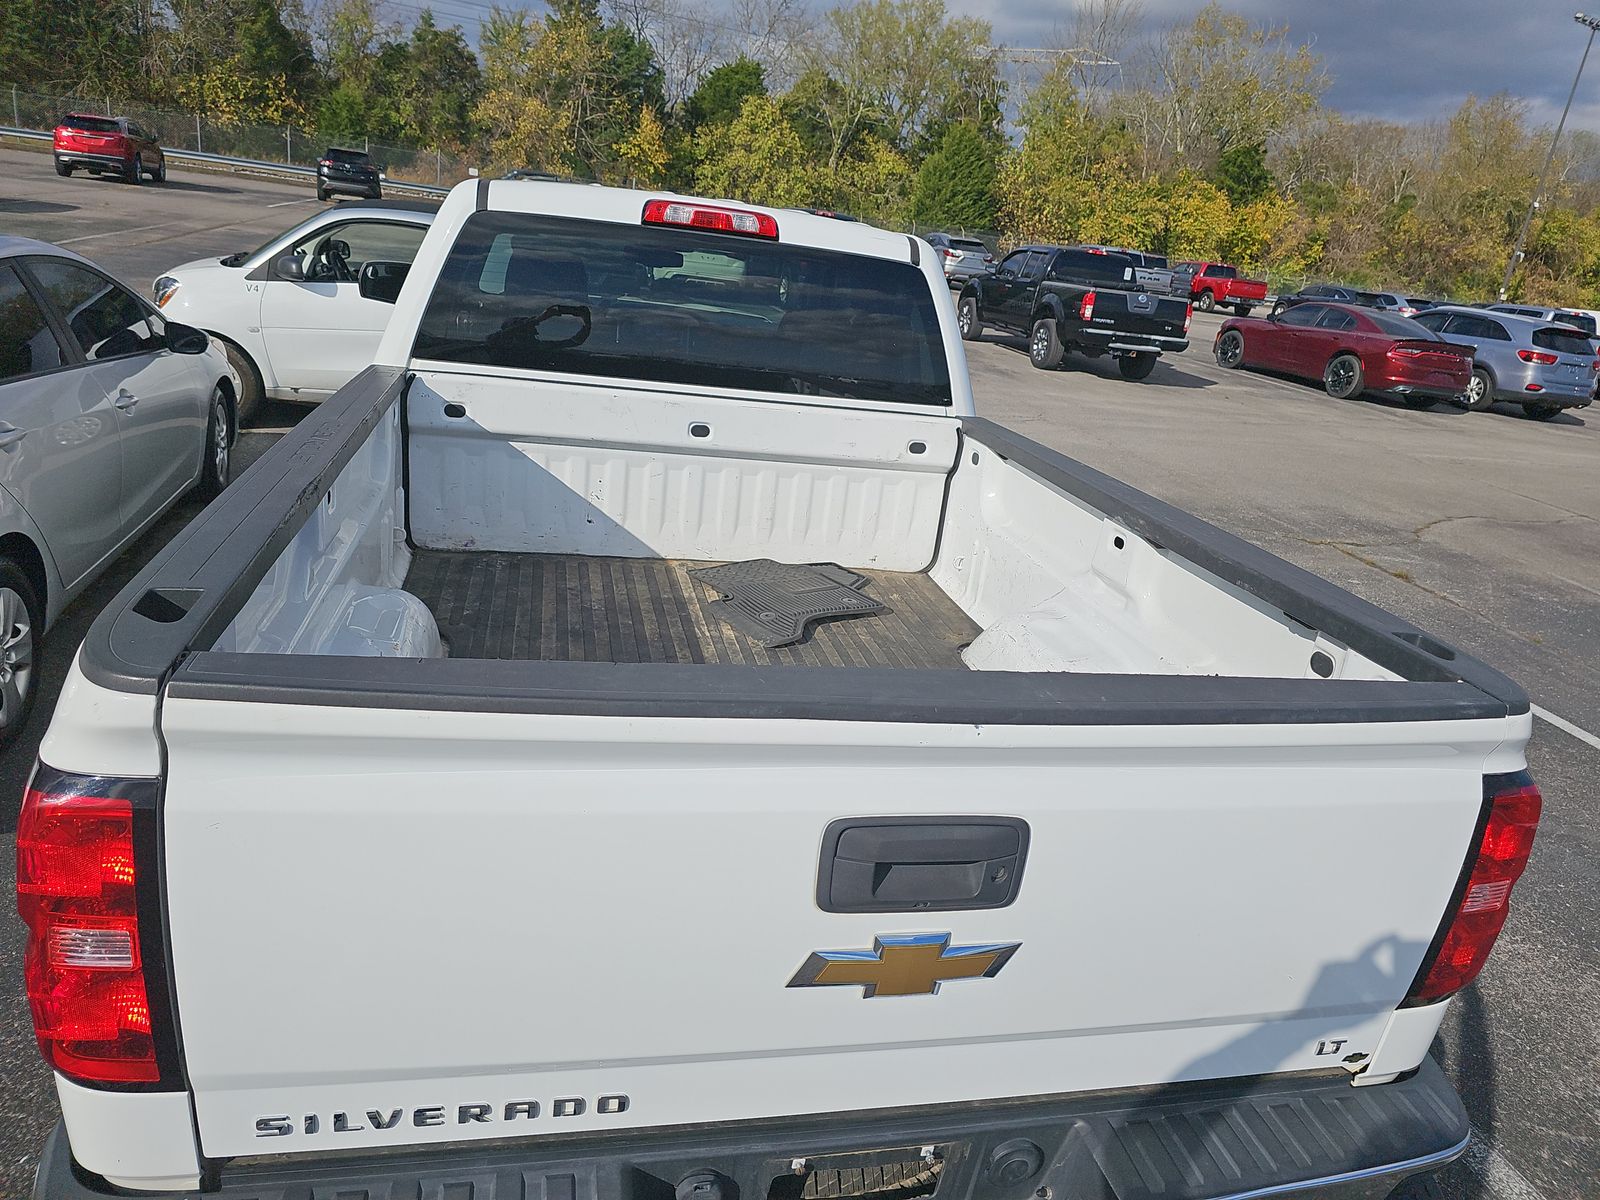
350 173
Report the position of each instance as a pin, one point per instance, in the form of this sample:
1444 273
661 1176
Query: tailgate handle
921 864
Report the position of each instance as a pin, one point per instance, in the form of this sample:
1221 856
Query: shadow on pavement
35 206
1166 372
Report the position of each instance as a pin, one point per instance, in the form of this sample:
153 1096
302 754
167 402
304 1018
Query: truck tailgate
1139 314
396 925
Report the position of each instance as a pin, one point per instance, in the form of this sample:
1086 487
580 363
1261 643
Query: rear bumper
83 158
1295 1137
1092 338
1556 392
350 185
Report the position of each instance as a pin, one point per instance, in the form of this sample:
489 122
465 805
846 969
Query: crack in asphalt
1423 528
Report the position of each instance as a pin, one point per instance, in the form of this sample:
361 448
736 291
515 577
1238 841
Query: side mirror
381 281
186 339
289 266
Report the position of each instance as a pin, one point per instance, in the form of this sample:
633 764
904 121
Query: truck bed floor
642 610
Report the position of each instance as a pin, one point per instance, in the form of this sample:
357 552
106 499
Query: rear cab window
598 299
1084 264
1218 271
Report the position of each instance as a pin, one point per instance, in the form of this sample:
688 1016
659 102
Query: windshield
684 306
348 156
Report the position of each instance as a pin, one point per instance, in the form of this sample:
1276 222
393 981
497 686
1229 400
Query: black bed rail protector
814 693
186 596
1235 1139
1307 598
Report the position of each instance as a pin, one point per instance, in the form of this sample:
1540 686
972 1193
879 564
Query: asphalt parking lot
1482 527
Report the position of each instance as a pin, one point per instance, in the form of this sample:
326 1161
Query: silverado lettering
610 1104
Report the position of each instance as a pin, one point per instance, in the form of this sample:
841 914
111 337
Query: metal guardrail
241 164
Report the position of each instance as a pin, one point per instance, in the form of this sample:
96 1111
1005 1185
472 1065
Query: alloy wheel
221 439
1341 377
1230 352
16 655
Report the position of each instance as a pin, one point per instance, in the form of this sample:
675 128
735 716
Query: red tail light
949 253
1086 307
1536 356
1188 316
1484 896
91 969
706 216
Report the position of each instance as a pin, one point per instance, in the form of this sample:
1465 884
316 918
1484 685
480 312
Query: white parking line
89 237
1561 723
286 203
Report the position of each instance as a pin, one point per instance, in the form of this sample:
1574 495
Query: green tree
1242 173
955 185
265 46
73 45
758 158
722 93
903 65
435 85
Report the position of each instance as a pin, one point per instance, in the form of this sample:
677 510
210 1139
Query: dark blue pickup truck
1069 298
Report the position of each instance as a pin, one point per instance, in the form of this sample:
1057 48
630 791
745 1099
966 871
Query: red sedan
1352 350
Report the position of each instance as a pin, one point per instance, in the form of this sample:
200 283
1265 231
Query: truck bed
582 608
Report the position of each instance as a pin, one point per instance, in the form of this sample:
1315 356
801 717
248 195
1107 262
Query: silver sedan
108 415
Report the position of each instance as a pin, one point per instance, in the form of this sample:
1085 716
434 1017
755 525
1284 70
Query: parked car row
1467 355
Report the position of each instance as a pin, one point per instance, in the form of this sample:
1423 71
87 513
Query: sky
1400 60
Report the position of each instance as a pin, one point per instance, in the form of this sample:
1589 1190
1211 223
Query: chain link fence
292 145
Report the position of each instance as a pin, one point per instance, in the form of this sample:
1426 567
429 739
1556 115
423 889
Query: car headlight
164 289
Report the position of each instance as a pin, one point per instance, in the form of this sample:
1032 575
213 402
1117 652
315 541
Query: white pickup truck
490 796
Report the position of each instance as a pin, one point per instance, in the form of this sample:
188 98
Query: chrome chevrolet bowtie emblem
912 964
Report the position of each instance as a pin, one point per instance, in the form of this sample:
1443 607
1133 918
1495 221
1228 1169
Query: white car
108 414
303 313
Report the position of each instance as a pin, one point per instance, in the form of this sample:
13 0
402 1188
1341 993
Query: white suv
303 313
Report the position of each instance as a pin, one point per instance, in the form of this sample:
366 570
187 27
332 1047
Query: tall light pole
1522 234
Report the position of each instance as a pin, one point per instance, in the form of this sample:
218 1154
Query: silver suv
963 258
1541 365
1562 316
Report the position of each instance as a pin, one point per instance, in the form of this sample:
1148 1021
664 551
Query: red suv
108 144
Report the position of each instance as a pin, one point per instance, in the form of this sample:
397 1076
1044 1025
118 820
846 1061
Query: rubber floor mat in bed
772 603
561 607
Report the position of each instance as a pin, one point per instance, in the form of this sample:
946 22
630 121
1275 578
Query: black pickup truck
1066 298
